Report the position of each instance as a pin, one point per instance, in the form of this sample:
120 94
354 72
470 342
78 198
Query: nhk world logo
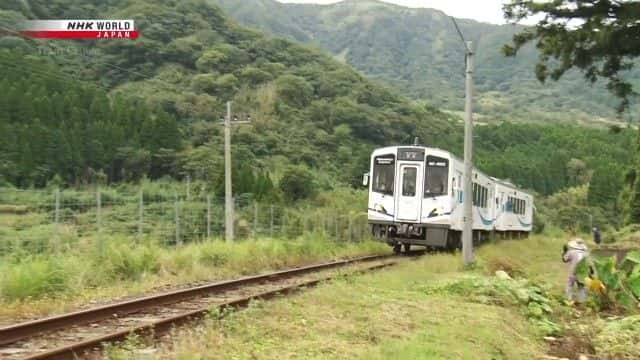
80 29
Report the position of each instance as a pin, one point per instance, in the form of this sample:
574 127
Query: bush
622 282
33 278
129 263
297 183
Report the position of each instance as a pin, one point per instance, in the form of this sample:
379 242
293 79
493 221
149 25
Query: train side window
409 177
484 197
436 176
384 169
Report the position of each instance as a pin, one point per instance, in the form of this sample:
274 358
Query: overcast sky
481 10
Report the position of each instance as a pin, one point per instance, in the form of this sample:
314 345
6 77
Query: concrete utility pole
228 196
467 231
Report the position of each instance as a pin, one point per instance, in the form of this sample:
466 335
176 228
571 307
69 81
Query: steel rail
162 326
21 331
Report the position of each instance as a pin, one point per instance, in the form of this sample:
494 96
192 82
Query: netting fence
36 221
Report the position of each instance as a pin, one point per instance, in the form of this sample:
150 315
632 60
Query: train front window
409 177
384 169
436 176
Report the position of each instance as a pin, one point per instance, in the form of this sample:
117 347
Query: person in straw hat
573 252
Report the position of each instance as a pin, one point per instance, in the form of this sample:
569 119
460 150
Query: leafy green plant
533 300
621 283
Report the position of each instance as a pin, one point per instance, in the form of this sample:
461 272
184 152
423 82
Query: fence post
303 220
283 223
57 221
324 223
140 213
188 187
208 217
255 219
177 219
271 223
99 221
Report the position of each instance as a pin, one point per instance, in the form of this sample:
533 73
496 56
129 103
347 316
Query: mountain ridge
418 52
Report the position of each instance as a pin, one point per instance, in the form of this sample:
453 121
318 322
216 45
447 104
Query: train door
409 195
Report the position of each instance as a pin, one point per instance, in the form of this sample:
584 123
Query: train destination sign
411 154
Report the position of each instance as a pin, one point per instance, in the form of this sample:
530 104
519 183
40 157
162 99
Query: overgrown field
44 284
55 257
423 309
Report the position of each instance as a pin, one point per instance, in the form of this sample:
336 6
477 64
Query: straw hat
577 244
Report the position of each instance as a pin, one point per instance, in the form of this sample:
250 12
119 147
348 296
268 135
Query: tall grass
72 272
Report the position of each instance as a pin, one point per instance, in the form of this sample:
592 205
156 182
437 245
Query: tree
604 186
294 90
577 172
297 183
634 208
599 37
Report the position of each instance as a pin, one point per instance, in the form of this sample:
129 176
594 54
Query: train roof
497 180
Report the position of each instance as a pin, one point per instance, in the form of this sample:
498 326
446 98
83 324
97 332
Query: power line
464 42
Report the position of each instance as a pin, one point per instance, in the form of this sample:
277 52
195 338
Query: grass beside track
430 308
385 315
40 285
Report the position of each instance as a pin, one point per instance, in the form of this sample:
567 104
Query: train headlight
380 208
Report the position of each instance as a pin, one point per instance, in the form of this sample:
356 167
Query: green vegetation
384 315
418 52
500 309
619 337
568 36
57 282
306 108
621 282
312 118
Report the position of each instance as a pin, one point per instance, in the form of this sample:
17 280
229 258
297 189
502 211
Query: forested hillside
419 53
78 113
306 108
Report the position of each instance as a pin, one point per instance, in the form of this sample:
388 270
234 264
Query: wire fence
35 221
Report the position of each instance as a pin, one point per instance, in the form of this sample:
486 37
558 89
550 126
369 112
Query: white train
416 198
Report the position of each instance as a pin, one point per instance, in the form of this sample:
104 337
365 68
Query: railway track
82 333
